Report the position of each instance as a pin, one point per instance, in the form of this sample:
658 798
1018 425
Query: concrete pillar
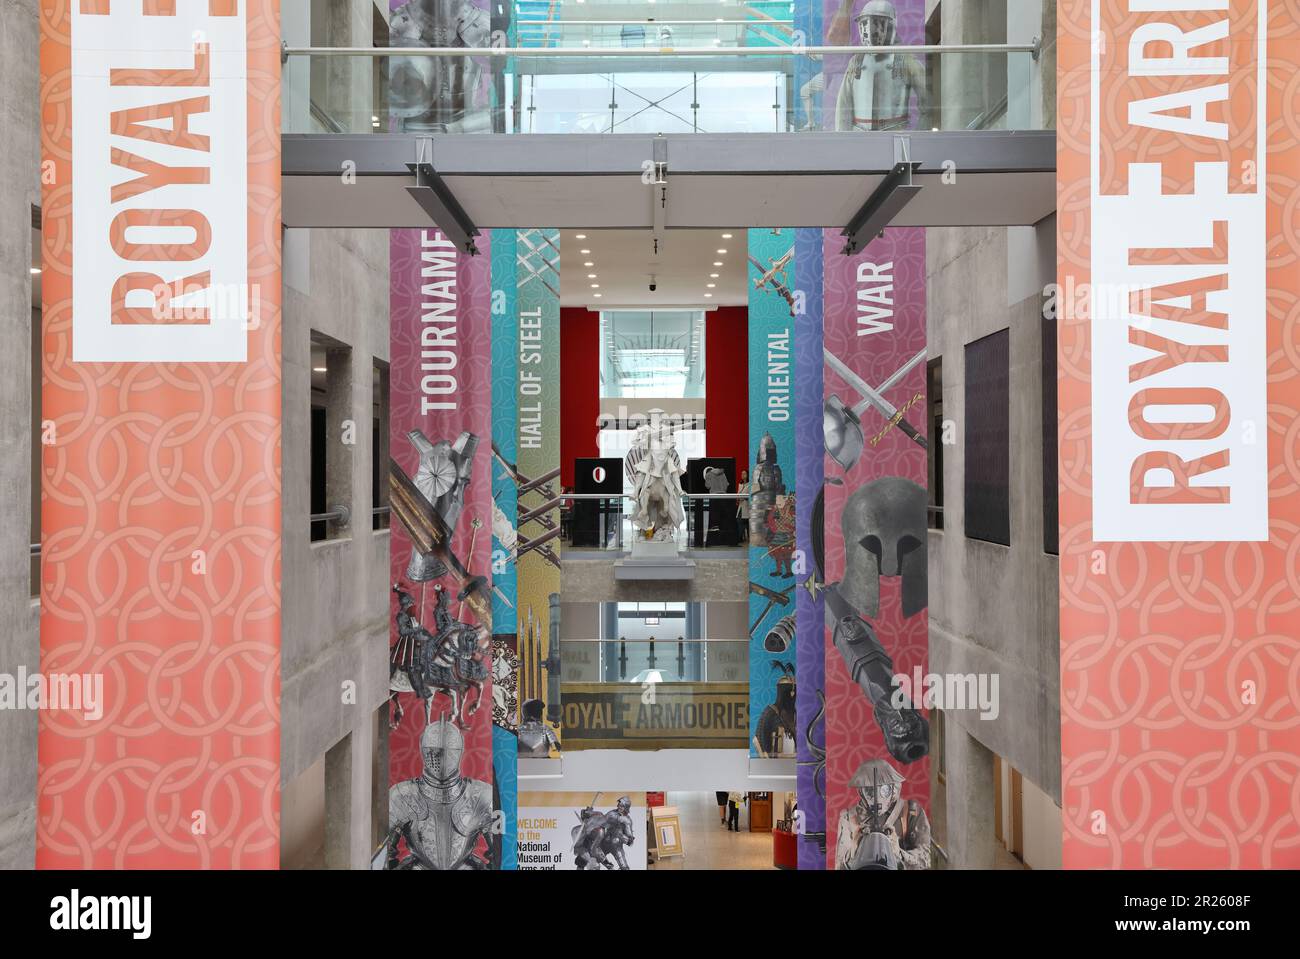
349 768
342 433
20 160
969 775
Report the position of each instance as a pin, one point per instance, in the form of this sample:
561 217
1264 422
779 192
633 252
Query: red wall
726 387
726 383
579 387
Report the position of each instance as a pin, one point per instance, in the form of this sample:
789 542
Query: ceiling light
589 263
722 251
319 369
713 276
580 236
591 276
726 236
717 263
585 252
595 286
36 271
710 285
708 294
596 295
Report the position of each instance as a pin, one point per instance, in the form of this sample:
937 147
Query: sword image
873 397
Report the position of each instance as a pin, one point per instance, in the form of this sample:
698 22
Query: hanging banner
440 492
505 598
1177 298
772 560
538 478
810 661
873 529
564 831
159 742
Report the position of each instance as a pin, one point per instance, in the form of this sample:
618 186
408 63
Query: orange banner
1179 366
160 539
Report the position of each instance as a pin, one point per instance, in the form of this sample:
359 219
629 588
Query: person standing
742 508
722 807
733 811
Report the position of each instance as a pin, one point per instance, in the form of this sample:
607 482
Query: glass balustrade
659 77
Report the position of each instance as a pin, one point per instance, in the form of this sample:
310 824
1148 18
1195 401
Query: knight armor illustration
442 478
599 838
878 88
438 94
442 815
882 830
768 484
536 739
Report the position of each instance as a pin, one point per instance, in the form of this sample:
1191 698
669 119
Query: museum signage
160 481
656 715
1178 398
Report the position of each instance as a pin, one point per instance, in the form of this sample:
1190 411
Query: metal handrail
340 514
566 639
562 52
630 496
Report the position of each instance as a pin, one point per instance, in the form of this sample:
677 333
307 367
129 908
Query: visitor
742 508
722 807
733 811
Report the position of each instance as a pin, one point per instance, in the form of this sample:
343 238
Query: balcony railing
672 77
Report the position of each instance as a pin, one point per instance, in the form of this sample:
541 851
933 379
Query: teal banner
505 599
772 556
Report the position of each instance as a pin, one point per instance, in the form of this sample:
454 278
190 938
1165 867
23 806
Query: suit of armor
536 739
437 93
878 88
442 814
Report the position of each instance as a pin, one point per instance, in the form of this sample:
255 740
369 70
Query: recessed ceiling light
595 286
36 270
591 276
589 263
708 294
722 251
713 276
580 236
596 295
319 369
710 285
726 236
717 263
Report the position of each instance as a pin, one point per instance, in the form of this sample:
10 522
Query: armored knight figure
536 739
655 470
877 90
442 814
442 478
600 836
882 830
768 485
438 94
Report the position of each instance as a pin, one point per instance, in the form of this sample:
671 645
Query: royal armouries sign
1178 396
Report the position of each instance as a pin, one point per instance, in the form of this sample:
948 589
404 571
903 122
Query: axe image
843 427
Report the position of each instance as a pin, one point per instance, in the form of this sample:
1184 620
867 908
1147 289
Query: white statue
654 470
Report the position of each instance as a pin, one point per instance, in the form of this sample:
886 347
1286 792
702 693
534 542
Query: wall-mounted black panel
987 443
596 522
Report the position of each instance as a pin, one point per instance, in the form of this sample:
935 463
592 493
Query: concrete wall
20 160
335 627
993 608
334 632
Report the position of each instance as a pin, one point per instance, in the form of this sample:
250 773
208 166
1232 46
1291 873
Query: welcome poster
440 492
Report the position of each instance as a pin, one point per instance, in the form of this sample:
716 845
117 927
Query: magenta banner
440 493
874 419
